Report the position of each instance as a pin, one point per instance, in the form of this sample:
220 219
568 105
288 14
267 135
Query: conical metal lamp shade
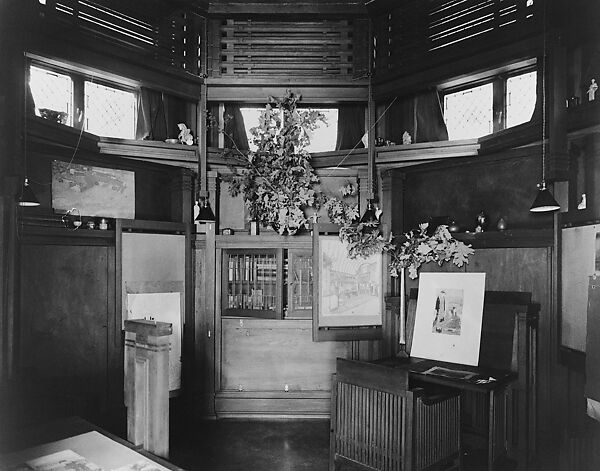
205 214
26 196
369 216
544 201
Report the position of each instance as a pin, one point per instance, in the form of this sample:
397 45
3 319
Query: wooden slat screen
370 427
291 48
436 431
454 21
172 42
417 34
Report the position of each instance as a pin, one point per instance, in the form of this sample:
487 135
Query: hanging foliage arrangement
277 178
416 248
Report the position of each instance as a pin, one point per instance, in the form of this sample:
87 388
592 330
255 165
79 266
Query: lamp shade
369 215
544 201
26 197
205 214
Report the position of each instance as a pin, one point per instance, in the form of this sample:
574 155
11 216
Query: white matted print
448 317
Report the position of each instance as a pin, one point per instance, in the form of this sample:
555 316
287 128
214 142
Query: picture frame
449 317
348 301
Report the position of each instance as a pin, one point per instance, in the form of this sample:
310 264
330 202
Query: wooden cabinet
298 273
269 283
266 363
252 283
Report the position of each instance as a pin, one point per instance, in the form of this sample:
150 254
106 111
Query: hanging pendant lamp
544 201
26 196
370 216
205 214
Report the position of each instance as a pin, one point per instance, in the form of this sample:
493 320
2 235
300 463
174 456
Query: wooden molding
516 238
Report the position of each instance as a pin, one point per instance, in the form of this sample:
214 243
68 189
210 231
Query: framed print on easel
448 317
348 303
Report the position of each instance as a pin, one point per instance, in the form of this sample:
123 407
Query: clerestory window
80 101
498 103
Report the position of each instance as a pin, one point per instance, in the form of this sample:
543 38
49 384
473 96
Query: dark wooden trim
262 241
316 91
572 359
579 217
63 236
118 281
394 155
314 404
289 8
517 238
188 360
154 226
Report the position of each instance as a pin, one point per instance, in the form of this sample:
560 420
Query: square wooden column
147 384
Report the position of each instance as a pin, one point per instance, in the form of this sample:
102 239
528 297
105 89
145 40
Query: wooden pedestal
147 384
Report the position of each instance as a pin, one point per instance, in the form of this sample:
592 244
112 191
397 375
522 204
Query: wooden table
469 378
102 448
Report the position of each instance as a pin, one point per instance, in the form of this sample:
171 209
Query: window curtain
151 122
430 118
159 114
234 129
420 115
351 126
29 102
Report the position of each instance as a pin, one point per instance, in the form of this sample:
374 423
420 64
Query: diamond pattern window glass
52 92
520 98
109 111
468 113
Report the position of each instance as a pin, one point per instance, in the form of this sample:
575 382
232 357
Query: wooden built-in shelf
179 155
398 155
507 239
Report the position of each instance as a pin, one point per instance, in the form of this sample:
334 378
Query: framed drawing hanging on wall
349 302
448 317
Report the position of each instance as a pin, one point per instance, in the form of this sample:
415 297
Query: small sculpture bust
592 90
406 139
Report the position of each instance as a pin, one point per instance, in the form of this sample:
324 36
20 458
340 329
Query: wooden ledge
514 238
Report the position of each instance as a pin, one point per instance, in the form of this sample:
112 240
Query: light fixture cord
544 47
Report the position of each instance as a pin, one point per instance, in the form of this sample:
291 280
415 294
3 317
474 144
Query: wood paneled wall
69 347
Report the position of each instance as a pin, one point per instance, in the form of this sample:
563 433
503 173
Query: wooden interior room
126 194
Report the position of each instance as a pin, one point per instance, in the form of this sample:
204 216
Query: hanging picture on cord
448 317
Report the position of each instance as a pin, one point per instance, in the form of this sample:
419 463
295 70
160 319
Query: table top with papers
90 450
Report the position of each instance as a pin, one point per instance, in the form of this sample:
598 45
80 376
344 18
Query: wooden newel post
147 384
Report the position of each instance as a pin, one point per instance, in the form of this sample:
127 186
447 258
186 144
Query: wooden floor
257 445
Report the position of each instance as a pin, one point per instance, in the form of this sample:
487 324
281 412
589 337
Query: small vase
482 220
501 225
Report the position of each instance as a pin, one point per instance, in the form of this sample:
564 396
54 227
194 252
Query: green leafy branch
416 248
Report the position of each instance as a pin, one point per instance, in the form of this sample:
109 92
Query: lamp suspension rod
371 124
202 148
544 53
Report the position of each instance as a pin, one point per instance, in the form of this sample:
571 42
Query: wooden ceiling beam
287 8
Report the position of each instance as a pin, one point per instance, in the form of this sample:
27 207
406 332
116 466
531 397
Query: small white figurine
185 135
592 90
583 203
406 139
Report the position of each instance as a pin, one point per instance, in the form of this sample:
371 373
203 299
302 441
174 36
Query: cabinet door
299 278
67 294
252 283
